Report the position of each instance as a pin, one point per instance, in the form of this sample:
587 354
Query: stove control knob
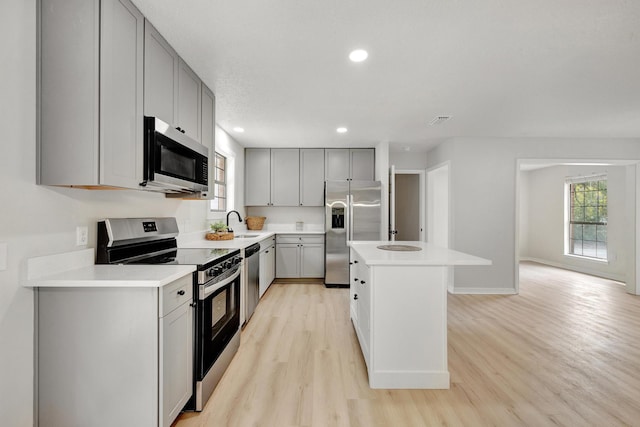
237 260
217 270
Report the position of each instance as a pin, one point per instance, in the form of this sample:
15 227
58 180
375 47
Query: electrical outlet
82 235
3 256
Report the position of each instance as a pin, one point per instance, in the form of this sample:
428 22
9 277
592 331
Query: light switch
3 256
82 235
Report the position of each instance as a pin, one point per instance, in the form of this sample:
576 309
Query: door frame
632 282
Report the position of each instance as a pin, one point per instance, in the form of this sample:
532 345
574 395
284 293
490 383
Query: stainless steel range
216 289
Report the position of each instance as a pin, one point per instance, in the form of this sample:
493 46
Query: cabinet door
271 265
189 101
353 289
312 260
176 362
257 176
287 256
160 76
311 177
362 164
121 94
364 308
336 164
262 281
285 177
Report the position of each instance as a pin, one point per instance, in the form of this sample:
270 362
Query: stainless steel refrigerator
353 211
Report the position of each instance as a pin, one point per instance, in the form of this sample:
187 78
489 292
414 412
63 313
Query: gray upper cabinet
362 164
311 177
336 164
285 177
160 77
90 97
257 177
349 163
189 101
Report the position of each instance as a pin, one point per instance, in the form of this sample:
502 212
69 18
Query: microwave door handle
204 294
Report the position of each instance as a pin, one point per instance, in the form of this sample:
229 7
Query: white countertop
430 255
197 240
76 270
104 276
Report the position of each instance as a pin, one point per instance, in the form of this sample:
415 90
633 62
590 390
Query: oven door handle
208 290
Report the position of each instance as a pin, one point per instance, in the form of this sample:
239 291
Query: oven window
175 164
218 308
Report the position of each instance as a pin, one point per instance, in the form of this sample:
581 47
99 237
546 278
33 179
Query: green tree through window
588 218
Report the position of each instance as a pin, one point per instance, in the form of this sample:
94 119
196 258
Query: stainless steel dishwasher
252 260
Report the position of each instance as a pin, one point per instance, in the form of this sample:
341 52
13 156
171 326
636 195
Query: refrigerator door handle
349 217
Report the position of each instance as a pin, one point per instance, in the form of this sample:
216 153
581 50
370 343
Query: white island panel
409 339
399 311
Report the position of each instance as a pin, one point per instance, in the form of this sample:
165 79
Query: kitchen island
399 311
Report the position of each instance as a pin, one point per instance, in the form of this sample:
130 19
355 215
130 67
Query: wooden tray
219 236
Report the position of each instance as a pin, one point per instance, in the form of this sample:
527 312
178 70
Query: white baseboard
438 380
579 269
482 291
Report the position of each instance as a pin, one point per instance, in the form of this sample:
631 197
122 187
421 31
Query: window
219 202
588 216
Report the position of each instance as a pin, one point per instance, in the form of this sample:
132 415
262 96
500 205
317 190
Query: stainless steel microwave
173 162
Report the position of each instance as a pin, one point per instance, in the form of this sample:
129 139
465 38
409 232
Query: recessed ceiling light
341 130
358 55
238 129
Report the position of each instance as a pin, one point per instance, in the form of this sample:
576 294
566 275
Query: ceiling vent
438 120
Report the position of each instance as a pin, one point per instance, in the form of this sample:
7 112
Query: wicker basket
219 236
255 222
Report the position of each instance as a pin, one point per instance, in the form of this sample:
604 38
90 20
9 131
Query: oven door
218 320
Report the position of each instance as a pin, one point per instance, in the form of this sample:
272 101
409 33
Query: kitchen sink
246 236
401 248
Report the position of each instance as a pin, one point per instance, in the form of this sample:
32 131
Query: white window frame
568 222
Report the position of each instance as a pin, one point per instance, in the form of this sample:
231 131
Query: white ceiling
501 68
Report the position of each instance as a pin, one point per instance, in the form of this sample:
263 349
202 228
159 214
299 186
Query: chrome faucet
239 218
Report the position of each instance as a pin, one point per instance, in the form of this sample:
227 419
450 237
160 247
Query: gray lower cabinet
120 356
299 256
90 93
267 264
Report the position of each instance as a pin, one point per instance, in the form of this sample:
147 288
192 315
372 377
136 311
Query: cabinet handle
355 262
355 279
193 304
266 252
355 296
181 292
362 281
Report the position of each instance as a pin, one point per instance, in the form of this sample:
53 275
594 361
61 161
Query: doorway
408 204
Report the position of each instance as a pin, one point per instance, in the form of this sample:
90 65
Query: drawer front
175 294
300 238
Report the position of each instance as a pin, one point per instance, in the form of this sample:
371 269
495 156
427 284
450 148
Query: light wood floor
566 351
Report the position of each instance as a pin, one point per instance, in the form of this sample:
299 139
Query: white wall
408 159
234 152
544 233
483 179
523 229
382 175
37 220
